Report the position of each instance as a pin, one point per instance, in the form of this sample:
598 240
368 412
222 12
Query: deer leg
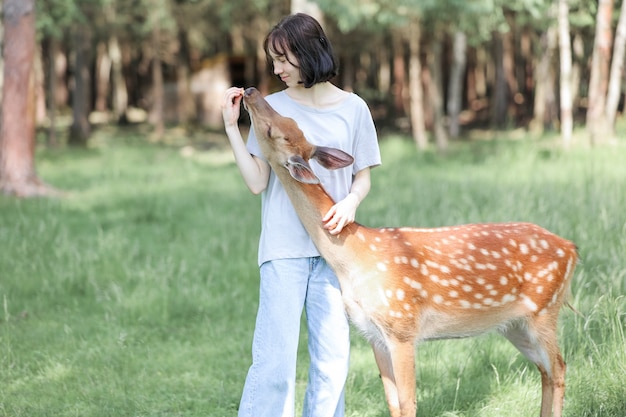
539 345
403 363
383 360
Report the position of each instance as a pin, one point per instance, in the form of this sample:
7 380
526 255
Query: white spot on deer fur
481 267
481 281
424 270
534 258
471 246
495 254
527 276
465 303
360 236
381 266
432 264
523 248
484 252
424 293
539 289
400 294
467 288
508 298
544 244
453 294
372 247
529 303
478 296
414 263
477 306
395 314
503 280
377 239
412 283
434 278
438 299
560 252
512 243
488 301
493 292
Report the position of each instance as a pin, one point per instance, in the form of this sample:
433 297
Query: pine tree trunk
596 121
415 86
545 96
17 131
567 122
435 90
617 68
81 97
455 89
501 93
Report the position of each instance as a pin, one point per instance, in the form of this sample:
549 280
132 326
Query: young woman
293 275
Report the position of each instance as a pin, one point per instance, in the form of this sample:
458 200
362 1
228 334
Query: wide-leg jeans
287 286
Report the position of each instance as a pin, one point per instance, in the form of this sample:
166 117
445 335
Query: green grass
135 295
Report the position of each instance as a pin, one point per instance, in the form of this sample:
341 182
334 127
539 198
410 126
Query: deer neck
312 202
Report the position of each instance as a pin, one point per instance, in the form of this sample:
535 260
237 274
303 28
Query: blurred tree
598 84
565 46
17 132
617 69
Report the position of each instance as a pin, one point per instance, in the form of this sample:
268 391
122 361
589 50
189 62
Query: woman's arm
344 212
255 171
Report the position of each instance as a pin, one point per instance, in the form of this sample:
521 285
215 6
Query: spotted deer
404 285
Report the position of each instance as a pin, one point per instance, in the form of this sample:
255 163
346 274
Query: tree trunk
567 123
399 75
545 95
158 89
617 68
501 92
455 89
81 97
415 86
17 131
435 90
119 90
596 122
103 77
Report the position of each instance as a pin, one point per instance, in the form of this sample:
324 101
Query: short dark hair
304 37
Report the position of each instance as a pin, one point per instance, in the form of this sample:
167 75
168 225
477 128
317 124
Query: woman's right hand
231 106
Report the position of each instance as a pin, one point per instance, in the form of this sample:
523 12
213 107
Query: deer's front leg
403 362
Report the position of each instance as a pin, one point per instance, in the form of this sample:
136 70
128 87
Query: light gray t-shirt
349 127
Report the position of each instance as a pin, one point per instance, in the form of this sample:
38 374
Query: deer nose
249 91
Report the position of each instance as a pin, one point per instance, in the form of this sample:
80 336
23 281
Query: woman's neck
320 96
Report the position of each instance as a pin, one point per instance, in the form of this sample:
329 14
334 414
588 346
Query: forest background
430 68
133 291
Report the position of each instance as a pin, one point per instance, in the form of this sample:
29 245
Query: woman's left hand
341 214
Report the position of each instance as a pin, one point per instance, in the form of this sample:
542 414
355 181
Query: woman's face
285 67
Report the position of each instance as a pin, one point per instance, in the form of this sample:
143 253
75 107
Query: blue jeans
288 286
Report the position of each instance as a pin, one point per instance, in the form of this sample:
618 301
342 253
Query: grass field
135 295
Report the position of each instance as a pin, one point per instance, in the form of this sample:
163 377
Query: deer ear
331 158
300 169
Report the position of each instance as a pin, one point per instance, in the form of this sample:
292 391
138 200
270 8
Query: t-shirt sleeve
366 151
